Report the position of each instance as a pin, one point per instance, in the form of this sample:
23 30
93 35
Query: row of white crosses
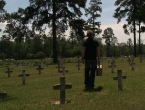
62 86
121 58
131 61
30 64
119 72
112 65
78 63
23 75
119 76
10 70
141 58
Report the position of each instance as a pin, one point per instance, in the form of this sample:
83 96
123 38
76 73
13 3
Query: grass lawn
38 93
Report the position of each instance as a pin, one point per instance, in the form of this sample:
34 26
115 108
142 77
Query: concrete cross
62 62
59 66
63 71
11 66
132 64
30 64
108 59
140 58
8 71
121 58
62 87
42 64
23 75
129 60
74 61
20 66
78 65
119 77
112 67
39 68
113 60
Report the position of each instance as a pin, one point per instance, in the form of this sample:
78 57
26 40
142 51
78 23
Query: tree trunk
134 30
54 34
134 37
139 39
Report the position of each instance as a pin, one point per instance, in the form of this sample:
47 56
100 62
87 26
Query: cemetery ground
38 92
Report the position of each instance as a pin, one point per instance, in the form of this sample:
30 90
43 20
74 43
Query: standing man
91 57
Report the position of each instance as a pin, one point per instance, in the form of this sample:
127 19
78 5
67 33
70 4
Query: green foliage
93 12
108 35
2 4
2 11
40 55
133 12
77 51
2 56
42 13
78 26
30 56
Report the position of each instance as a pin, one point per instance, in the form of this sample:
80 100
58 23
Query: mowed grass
38 93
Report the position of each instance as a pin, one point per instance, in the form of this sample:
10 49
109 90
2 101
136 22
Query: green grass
38 93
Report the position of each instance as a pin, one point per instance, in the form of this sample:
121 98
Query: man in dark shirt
91 56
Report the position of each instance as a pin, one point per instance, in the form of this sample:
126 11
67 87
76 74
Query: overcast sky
106 19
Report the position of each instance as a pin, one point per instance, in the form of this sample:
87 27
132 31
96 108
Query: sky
106 18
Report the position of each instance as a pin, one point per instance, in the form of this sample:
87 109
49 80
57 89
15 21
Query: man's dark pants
90 67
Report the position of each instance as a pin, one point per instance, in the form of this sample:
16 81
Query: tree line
25 34
41 47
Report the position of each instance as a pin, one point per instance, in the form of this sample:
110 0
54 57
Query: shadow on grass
98 89
7 99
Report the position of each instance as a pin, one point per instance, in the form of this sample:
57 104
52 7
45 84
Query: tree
108 35
130 10
6 47
123 49
72 37
47 45
2 11
54 14
101 46
113 42
130 44
140 19
78 26
94 11
16 31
